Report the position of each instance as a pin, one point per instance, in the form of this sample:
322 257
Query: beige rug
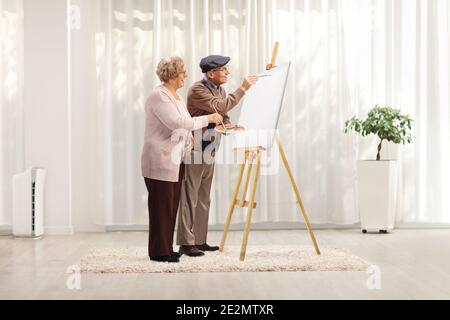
258 259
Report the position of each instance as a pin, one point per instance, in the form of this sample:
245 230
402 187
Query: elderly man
205 97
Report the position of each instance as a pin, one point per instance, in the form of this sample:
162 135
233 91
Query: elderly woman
168 136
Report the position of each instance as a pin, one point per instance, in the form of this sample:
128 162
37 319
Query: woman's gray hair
169 68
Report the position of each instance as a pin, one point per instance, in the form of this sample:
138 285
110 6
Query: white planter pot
377 187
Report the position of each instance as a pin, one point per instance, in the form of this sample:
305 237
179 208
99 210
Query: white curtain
347 56
11 107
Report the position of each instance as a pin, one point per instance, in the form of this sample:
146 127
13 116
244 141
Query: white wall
46 105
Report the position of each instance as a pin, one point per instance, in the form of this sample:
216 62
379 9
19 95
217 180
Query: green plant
387 123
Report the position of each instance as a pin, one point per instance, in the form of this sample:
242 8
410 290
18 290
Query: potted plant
377 179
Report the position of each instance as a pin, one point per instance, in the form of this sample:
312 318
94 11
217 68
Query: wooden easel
252 155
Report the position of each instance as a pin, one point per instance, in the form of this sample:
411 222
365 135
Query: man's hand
215 118
248 82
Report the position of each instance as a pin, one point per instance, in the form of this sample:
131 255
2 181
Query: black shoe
191 251
177 254
206 247
165 259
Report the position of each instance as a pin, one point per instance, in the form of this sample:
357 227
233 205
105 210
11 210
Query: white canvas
261 109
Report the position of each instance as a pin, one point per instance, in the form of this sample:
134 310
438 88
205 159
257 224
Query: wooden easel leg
297 194
232 206
249 158
250 208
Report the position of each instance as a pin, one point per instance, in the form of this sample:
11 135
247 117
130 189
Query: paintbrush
221 121
261 76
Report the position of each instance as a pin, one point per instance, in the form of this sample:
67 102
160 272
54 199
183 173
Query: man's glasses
222 69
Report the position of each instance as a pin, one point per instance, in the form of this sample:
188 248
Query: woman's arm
167 113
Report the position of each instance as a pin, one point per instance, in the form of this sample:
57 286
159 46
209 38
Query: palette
230 128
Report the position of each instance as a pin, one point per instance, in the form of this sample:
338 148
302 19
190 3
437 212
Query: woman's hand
189 144
215 118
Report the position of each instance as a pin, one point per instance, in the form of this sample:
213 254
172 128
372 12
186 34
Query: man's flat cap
212 62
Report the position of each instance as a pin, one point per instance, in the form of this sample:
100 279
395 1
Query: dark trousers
163 202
